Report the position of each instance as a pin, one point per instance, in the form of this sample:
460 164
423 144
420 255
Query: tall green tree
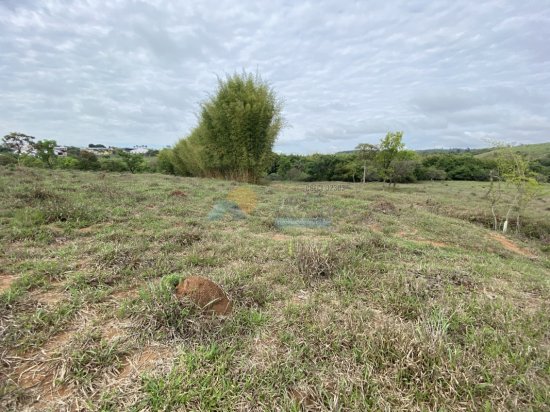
45 151
390 147
238 127
16 142
133 161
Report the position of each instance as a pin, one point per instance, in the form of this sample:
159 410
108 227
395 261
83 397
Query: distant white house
139 150
60 150
99 151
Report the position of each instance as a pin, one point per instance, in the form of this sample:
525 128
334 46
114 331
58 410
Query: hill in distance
532 151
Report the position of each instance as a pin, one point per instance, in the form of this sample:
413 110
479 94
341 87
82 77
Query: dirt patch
113 330
430 242
375 227
281 237
178 193
58 341
205 294
34 374
6 281
146 359
123 294
49 298
300 297
302 397
407 232
511 246
384 206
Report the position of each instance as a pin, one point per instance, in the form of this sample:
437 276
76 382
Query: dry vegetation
407 301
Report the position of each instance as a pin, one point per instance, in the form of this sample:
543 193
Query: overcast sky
447 73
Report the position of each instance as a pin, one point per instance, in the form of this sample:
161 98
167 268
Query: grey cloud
446 73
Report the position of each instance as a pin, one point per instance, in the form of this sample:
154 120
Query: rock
204 293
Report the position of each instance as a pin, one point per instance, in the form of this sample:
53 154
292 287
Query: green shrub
31 161
113 165
7 159
67 163
236 132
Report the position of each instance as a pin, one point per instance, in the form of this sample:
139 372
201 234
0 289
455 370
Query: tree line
24 150
234 137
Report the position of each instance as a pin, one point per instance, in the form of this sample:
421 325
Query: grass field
402 300
531 151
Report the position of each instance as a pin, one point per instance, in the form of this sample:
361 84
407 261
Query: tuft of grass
90 357
315 260
199 381
30 329
157 312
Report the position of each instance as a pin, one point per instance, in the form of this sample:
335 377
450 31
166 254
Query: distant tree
67 162
402 169
514 170
45 151
96 146
16 142
88 161
433 173
134 162
113 165
389 148
512 186
73 151
366 152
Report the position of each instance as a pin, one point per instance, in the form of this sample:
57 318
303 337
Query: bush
165 161
314 260
113 165
236 132
30 161
7 159
67 162
134 162
88 161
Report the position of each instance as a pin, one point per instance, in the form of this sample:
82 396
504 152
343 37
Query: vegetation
388 161
236 132
45 151
16 142
407 301
512 170
134 162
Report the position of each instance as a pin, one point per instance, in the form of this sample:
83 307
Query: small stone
205 294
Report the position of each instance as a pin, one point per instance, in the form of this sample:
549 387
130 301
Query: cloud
134 72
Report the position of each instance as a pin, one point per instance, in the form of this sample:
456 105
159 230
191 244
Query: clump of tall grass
315 260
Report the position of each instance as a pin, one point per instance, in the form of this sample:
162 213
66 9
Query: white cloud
127 72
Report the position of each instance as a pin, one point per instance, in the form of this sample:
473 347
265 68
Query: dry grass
405 302
315 260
